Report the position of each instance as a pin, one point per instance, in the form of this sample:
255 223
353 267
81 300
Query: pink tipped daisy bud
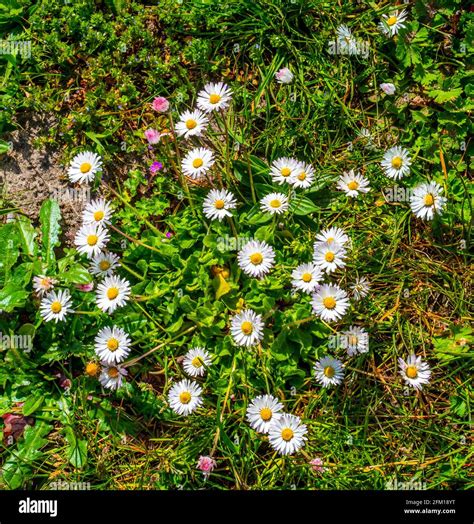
160 104
388 89
85 287
206 465
153 136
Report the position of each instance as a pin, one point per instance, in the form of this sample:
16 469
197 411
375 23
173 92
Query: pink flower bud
153 136
160 104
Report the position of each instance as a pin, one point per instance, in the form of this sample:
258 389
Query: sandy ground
28 175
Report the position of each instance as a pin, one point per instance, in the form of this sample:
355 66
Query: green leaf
50 215
19 464
77 275
302 206
27 236
77 449
445 96
32 404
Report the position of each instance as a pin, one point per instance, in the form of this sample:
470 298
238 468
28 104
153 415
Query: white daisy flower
196 361
329 256
112 345
84 166
396 162
111 293
287 434
263 411
330 302
283 169
111 377
256 258
91 239
185 397
97 212
355 340
56 305
217 203
360 288
306 277
329 371
214 96
333 234
197 162
353 184
104 264
391 24
191 123
274 203
347 44
246 328
42 284
426 200
414 371
303 176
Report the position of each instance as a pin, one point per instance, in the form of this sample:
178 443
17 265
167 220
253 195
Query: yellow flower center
45 282
412 372
92 369
329 303
287 434
112 344
302 176
197 362
392 20
85 167
214 98
286 171
329 256
197 162
219 204
330 239
112 293
306 277
92 240
353 340
397 162
429 199
266 414
98 216
185 397
191 124
256 259
104 265
353 185
246 327
329 371
275 203
56 306
113 372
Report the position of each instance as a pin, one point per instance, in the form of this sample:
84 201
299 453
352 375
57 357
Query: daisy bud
160 104
152 135
388 89
206 465
284 76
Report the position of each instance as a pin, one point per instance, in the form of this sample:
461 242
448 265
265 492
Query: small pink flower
317 465
206 465
160 104
153 136
284 76
85 287
388 89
